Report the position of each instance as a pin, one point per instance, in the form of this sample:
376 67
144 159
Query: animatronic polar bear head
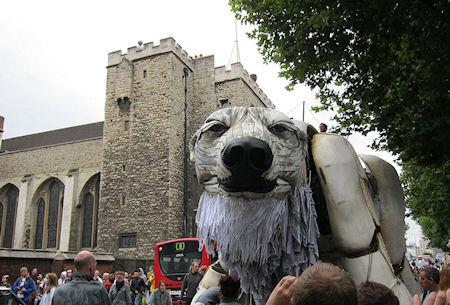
249 152
256 203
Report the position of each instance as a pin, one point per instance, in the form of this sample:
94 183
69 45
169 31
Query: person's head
85 263
105 276
325 284
96 273
444 279
126 275
194 267
151 270
323 127
63 275
162 286
429 278
229 287
120 276
371 293
24 272
111 277
34 271
51 280
136 273
5 279
69 274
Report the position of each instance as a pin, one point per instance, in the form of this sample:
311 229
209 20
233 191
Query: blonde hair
194 262
444 280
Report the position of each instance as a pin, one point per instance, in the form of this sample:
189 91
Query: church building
119 186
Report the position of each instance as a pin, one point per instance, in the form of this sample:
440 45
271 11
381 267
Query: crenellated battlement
150 49
237 71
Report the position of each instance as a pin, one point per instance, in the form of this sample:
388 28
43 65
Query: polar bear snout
247 155
247 158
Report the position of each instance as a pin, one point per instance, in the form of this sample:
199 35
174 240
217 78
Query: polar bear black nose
247 156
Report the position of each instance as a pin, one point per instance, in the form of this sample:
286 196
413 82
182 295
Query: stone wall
237 93
71 163
245 90
142 175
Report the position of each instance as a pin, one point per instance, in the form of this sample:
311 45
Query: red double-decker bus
173 259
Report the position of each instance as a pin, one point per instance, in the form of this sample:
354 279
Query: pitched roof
53 137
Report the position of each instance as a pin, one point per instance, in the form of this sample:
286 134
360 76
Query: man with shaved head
83 289
322 283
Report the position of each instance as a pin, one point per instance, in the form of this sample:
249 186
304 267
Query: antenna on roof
235 46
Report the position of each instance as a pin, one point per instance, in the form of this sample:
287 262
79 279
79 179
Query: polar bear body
260 155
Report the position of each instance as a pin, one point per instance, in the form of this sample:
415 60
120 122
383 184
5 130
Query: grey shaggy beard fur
261 240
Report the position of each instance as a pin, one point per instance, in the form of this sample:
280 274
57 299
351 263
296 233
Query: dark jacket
120 296
29 286
160 298
137 284
82 290
190 284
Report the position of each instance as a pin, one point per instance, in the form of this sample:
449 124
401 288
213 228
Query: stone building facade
119 186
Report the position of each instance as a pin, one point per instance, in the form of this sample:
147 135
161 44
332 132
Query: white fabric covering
260 240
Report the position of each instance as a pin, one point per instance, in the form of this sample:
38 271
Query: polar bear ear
192 146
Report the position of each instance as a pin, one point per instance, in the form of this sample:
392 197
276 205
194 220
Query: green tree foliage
427 195
380 65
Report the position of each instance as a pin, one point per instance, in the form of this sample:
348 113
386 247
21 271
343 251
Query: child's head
230 287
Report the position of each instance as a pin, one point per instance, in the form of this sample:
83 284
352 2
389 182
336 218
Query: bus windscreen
175 258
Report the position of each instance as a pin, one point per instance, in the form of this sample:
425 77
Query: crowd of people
86 286
322 283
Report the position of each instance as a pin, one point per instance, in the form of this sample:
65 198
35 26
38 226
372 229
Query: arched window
90 199
48 214
88 211
1 218
8 199
40 218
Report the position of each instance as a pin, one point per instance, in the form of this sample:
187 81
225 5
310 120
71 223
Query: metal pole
303 115
238 56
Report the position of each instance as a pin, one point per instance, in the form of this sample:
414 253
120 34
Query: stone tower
156 97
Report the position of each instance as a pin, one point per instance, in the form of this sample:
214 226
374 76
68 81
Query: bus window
177 260
172 261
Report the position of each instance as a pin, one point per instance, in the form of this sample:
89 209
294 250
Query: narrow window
88 209
97 197
124 167
53 215
145 74
1 219
126 125
38 239
12 196
89 212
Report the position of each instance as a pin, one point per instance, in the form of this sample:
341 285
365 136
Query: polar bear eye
277 129
218 128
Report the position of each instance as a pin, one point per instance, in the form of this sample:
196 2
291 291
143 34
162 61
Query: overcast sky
53 56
